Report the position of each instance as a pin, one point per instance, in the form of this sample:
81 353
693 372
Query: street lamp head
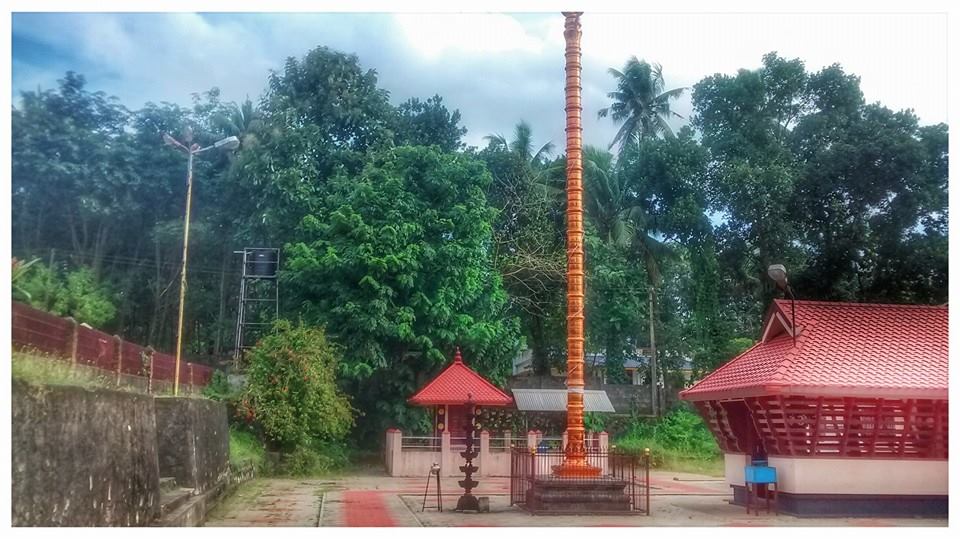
778 272
229 143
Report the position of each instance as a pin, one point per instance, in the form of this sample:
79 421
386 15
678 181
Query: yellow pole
183 273
575 453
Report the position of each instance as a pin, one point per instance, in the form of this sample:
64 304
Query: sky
497 69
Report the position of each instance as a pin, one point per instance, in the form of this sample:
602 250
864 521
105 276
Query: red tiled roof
455 383
842 349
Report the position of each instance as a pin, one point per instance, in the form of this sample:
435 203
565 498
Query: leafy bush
76 293
291 391
312 460
219 388
246 448
593 422
678 440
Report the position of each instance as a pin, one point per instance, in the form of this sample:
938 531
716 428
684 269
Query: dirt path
272 502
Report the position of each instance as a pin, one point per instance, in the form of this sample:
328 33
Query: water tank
262 263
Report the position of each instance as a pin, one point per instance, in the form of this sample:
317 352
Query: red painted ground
364 508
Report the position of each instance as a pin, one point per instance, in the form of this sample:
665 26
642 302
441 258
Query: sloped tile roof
555 400
455 383
842 349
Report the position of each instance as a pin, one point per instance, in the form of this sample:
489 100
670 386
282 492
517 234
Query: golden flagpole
575 461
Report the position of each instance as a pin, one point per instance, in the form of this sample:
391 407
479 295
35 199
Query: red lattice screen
832 426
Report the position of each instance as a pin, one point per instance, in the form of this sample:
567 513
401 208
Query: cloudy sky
496 68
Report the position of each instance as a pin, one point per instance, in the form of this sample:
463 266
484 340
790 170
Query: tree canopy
402 243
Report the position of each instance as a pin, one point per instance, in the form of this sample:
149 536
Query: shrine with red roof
848 404
448 393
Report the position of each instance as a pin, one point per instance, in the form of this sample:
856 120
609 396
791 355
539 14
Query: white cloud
435 35
496 68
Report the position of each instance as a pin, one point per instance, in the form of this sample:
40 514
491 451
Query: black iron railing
632 469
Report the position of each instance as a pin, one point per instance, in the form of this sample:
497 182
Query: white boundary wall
818 475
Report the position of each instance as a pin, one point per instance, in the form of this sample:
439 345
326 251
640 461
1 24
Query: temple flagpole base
574 467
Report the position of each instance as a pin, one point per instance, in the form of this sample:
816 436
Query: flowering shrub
291 392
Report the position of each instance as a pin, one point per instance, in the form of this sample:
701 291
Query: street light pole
228 143
183 273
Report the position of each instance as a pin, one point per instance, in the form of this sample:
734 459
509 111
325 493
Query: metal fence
632 470
130 363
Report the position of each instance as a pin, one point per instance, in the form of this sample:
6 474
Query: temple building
847 401
447 395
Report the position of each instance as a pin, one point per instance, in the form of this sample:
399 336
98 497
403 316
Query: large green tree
528 236
395 261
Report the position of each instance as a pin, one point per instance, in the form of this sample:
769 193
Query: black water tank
262 263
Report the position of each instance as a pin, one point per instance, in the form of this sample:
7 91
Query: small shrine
448 393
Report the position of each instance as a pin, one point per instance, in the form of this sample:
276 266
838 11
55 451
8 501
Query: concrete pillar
150 353
563 444
604 443
507 441
74 337
394 447
446 455
118 353
484 462
532 440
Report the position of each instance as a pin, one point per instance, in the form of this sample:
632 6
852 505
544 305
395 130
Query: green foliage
220 389
20 268
528 240
395 263
291 392
429 123
679 440
593 422
312 460
75 293
246 449
640 103
85 299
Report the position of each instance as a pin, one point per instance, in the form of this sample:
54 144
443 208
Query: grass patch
39 369
242 498
679 441
246 449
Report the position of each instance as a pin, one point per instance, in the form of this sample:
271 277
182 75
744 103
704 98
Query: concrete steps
167 484
171 500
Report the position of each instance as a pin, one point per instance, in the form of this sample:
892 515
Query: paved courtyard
676 499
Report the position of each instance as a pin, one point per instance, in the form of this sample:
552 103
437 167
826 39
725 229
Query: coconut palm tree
522 145
640 102
620 207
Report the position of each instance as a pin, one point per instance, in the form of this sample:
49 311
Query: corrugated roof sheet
842 349
555 400
457 383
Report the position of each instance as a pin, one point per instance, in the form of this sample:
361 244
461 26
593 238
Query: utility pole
654 401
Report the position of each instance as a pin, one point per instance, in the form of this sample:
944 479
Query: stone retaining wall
83 457
193 442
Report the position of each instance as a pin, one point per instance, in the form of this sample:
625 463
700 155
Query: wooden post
118 353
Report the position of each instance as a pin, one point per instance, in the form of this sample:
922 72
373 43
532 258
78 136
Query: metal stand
434 472
259 294
469 502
